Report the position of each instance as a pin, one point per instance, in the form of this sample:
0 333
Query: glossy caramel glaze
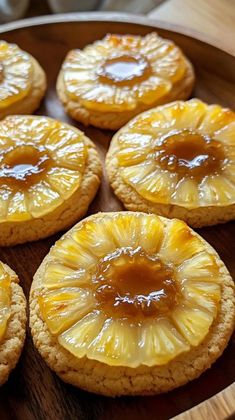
124 70
132 283
23 166
190 153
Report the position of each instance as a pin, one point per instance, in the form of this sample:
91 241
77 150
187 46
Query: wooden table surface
212 18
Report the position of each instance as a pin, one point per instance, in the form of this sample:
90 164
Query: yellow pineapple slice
41 164
216 119
67 147
121 72
218 189
41 198
160 342
158 186
151 234
126 232
65 306
57 275
163 119
16 72
117 341
201 265
199 295
130 289
226 135
64 180
80 336
17 207
138 173
186 192
5 300
94 239
180 154
67 253
133 156
192 323
180 243
5 195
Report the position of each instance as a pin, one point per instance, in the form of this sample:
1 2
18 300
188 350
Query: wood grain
213 18
218 407
33 391
136 6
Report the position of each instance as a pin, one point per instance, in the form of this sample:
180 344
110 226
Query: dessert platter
117 209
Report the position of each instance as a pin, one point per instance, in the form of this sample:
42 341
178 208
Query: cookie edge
113 120
31 101
100 378
133 201
14 338
65 215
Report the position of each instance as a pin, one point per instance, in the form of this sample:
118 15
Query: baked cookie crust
64 216
115 120
198 217
108 380
32 100
13 341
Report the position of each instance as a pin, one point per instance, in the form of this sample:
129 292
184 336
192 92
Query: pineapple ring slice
177 160
12 321
129 289
119 76
22 81
43 167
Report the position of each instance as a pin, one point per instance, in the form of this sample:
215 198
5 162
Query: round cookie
49 174
22 81
131 304
177 160
12 322
114 79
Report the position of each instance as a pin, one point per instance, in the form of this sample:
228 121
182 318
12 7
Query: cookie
12 321
112 80
22 81
177 160
131 304
49 174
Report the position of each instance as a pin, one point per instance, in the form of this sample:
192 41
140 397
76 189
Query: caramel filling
189 153
23 165
132 283
125 70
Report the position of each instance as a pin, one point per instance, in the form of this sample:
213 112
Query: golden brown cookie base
196 217
115 120
13 341
69 212
31 102
100 378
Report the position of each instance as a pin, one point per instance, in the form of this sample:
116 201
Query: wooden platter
33 391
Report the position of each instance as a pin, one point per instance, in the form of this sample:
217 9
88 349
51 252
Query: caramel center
23 165
189 153
132 283
124 70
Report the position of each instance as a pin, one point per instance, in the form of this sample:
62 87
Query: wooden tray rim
225 397
114 17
